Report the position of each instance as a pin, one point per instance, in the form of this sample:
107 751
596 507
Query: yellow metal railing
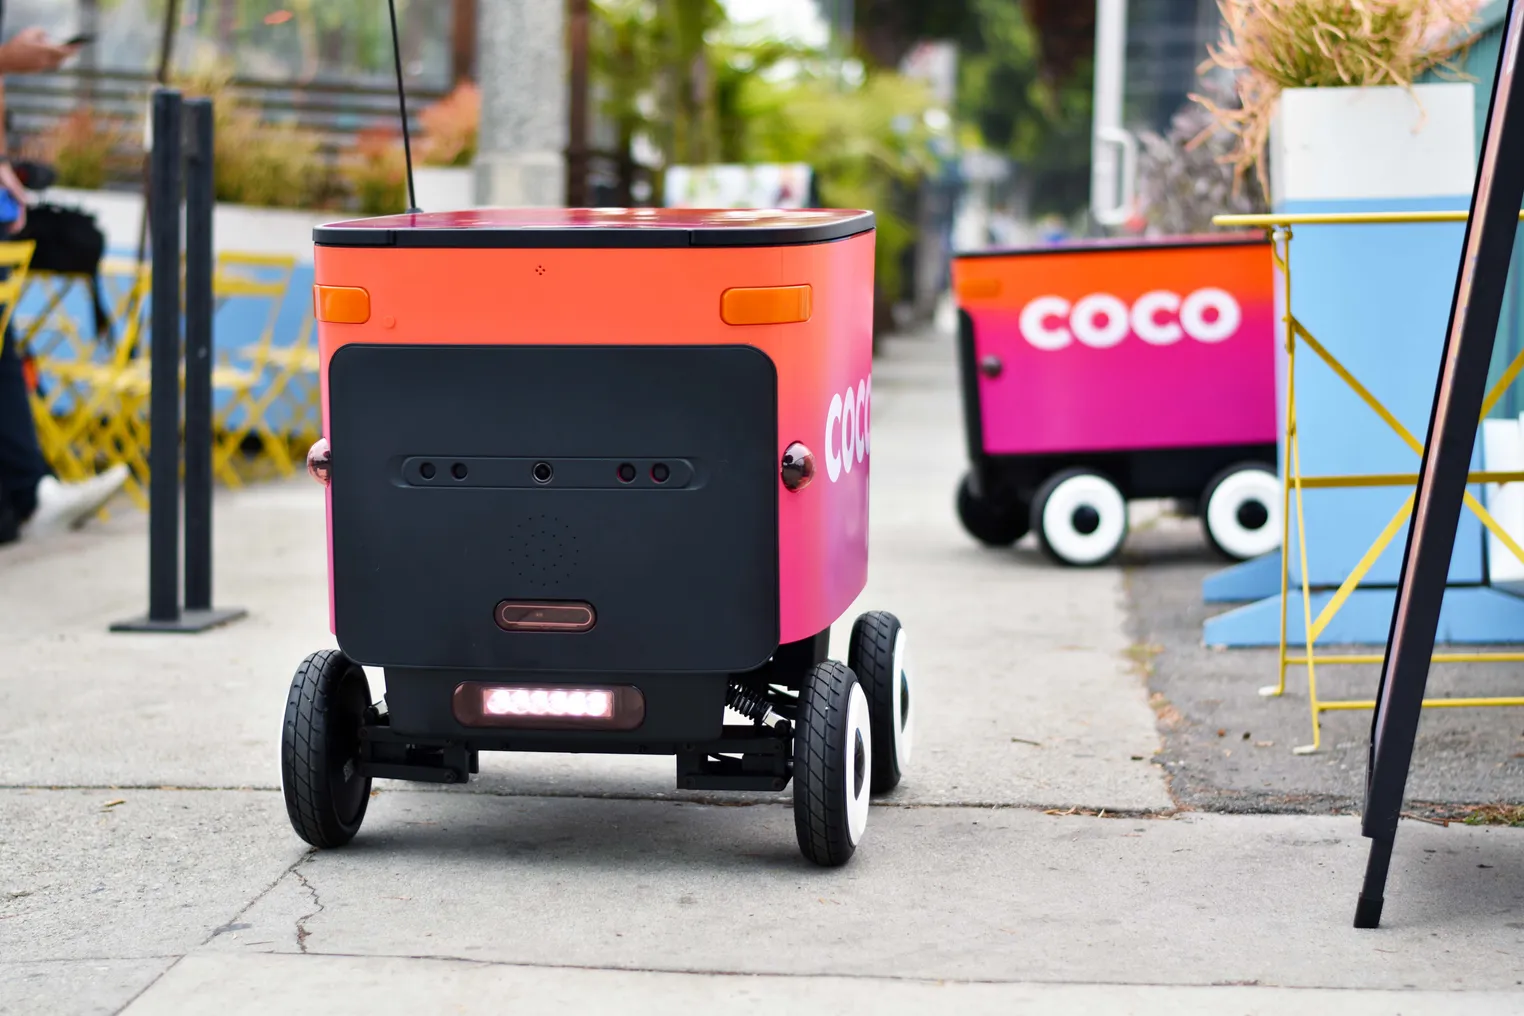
1279 228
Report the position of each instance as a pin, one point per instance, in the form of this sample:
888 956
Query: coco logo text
846 429
1159 317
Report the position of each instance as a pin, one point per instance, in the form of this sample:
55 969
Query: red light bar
549 707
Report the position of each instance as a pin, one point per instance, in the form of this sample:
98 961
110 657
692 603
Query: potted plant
443 178
1327 96
1331 117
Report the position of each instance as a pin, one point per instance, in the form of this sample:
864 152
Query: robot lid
598 227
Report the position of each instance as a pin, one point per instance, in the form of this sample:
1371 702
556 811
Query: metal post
164 402
198 356
1112 148
1458 394
164 613
578 17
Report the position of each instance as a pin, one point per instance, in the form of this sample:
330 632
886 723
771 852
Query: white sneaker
71 505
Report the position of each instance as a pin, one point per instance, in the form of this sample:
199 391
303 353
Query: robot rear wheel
990 522
322 773
880 660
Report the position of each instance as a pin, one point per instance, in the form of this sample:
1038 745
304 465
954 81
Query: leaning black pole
1474 314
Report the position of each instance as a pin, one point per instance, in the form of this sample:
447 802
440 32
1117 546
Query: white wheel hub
1244 513
1084 519
904 706
858 749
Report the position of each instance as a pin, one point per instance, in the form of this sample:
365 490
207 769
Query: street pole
579 17
1112 148
521 69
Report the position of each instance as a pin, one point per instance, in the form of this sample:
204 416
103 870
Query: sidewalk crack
302 931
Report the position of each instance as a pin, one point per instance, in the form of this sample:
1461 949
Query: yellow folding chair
95 411
244 418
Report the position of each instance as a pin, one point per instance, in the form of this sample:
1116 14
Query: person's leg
34 498
22 465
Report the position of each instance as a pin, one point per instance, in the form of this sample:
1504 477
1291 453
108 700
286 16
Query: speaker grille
541 549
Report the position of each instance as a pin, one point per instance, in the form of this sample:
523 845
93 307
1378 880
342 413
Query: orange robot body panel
647 278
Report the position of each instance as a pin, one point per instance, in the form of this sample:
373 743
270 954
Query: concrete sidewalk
147 863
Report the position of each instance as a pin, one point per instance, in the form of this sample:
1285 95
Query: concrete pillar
521 70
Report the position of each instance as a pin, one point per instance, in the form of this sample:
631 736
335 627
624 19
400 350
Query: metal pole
577 156
1108 138
199 267
1474 313
166 61
164 613
164 404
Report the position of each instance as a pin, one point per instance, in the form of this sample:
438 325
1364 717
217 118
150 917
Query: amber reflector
341 305
979 289
765 305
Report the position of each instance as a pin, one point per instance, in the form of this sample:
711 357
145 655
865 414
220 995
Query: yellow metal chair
93 413
255 388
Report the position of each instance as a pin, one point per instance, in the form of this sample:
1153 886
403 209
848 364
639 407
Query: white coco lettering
847 429
1159 317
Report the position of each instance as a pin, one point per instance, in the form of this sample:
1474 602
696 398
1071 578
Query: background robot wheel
993 524
1080 517
1242 517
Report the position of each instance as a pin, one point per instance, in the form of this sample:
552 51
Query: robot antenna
407 145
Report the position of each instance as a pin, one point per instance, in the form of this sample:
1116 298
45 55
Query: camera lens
626 473
427 470
458 470
660 472
543 472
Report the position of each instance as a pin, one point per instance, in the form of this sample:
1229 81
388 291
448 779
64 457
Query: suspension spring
751 703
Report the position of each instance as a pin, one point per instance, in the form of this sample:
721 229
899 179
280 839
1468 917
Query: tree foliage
1032 109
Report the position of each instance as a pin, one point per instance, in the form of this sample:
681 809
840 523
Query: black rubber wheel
833 762
995 525
1080 517
325 786
879 659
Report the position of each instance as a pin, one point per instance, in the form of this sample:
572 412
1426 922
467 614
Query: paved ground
146 864
1228 749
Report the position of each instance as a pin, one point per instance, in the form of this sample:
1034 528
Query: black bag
69 240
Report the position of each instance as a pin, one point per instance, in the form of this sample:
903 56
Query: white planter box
1341 144
444 189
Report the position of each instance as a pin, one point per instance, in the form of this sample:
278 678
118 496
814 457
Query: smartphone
83 39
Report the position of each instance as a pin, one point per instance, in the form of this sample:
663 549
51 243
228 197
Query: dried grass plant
1271 45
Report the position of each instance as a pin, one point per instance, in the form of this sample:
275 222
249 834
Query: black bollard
164 612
